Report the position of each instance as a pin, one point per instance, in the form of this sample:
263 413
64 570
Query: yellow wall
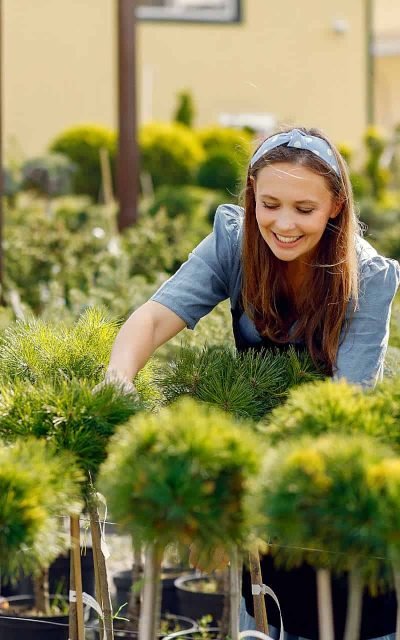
58 67
387 67
284 59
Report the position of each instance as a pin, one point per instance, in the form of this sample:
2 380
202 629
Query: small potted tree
49 372
318 508
35 485
181 475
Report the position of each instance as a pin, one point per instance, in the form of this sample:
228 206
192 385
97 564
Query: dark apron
296 589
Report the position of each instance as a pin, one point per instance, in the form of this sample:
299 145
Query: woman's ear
336 209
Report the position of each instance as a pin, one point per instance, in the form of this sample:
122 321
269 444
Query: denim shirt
213 273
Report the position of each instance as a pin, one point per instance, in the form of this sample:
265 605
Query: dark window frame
207 16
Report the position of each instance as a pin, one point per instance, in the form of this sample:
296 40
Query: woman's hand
114 377
207 561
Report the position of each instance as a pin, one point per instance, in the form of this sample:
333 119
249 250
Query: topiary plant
170 153
221 170
185 111
317 504
180 476
36 485
238 143
82 145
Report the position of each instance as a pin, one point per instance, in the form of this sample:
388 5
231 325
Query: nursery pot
169 598
58 577
196 603
184 623
37 628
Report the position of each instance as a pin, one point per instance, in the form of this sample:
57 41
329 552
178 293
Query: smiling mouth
289 240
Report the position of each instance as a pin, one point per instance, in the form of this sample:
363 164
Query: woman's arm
150 326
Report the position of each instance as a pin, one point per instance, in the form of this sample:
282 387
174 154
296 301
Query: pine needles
247 385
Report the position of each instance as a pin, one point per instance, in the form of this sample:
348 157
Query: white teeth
287 239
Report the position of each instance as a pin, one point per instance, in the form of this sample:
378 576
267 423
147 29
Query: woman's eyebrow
270 197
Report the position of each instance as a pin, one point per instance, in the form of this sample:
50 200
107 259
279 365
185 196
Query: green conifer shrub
185 111
36 486
82 144
170 153
318 506
180 476
248 385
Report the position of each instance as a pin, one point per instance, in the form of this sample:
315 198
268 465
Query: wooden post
260 612
150 610
127 161
76 560
234 592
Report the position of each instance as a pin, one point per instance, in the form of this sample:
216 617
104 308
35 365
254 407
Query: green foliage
192 202
35 487
82 144
216 138
49 175
36 350
66 413
247 385
346 151
170 153
221 170
315 496
388 241
185 110
181 475
377 175
327 406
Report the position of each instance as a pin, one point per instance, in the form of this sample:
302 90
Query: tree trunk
325 615
133 613
76 560
41 592
224 587
150 612
99 561
354 606
72 624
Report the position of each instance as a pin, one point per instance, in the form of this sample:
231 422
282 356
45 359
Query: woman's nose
285 222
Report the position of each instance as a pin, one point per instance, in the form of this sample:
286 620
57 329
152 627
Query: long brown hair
333 277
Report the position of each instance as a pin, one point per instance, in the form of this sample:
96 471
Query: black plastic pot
186 624
169 598
196 604
58 577
38 628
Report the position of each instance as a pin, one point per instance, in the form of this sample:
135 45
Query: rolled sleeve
362 351
205 279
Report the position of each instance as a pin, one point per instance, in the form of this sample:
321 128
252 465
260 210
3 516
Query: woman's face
293 207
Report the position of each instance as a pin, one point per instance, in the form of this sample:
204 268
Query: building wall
284 58
387 63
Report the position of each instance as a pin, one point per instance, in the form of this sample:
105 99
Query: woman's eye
269 206
305 210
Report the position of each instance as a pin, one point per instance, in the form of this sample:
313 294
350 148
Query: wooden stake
105 598
325 615
72 626
260 612
76 558
354 606
234 591
106 178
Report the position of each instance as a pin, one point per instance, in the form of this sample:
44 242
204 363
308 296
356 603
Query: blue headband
298 140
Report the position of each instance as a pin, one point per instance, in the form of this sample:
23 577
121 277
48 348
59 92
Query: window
190 10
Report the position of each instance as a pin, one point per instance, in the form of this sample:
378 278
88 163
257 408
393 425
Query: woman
298 272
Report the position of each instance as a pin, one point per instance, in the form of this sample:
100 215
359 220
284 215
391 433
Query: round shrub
35 488
182 475
82 145
170 153
220 170
239 143
185 200
49 175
